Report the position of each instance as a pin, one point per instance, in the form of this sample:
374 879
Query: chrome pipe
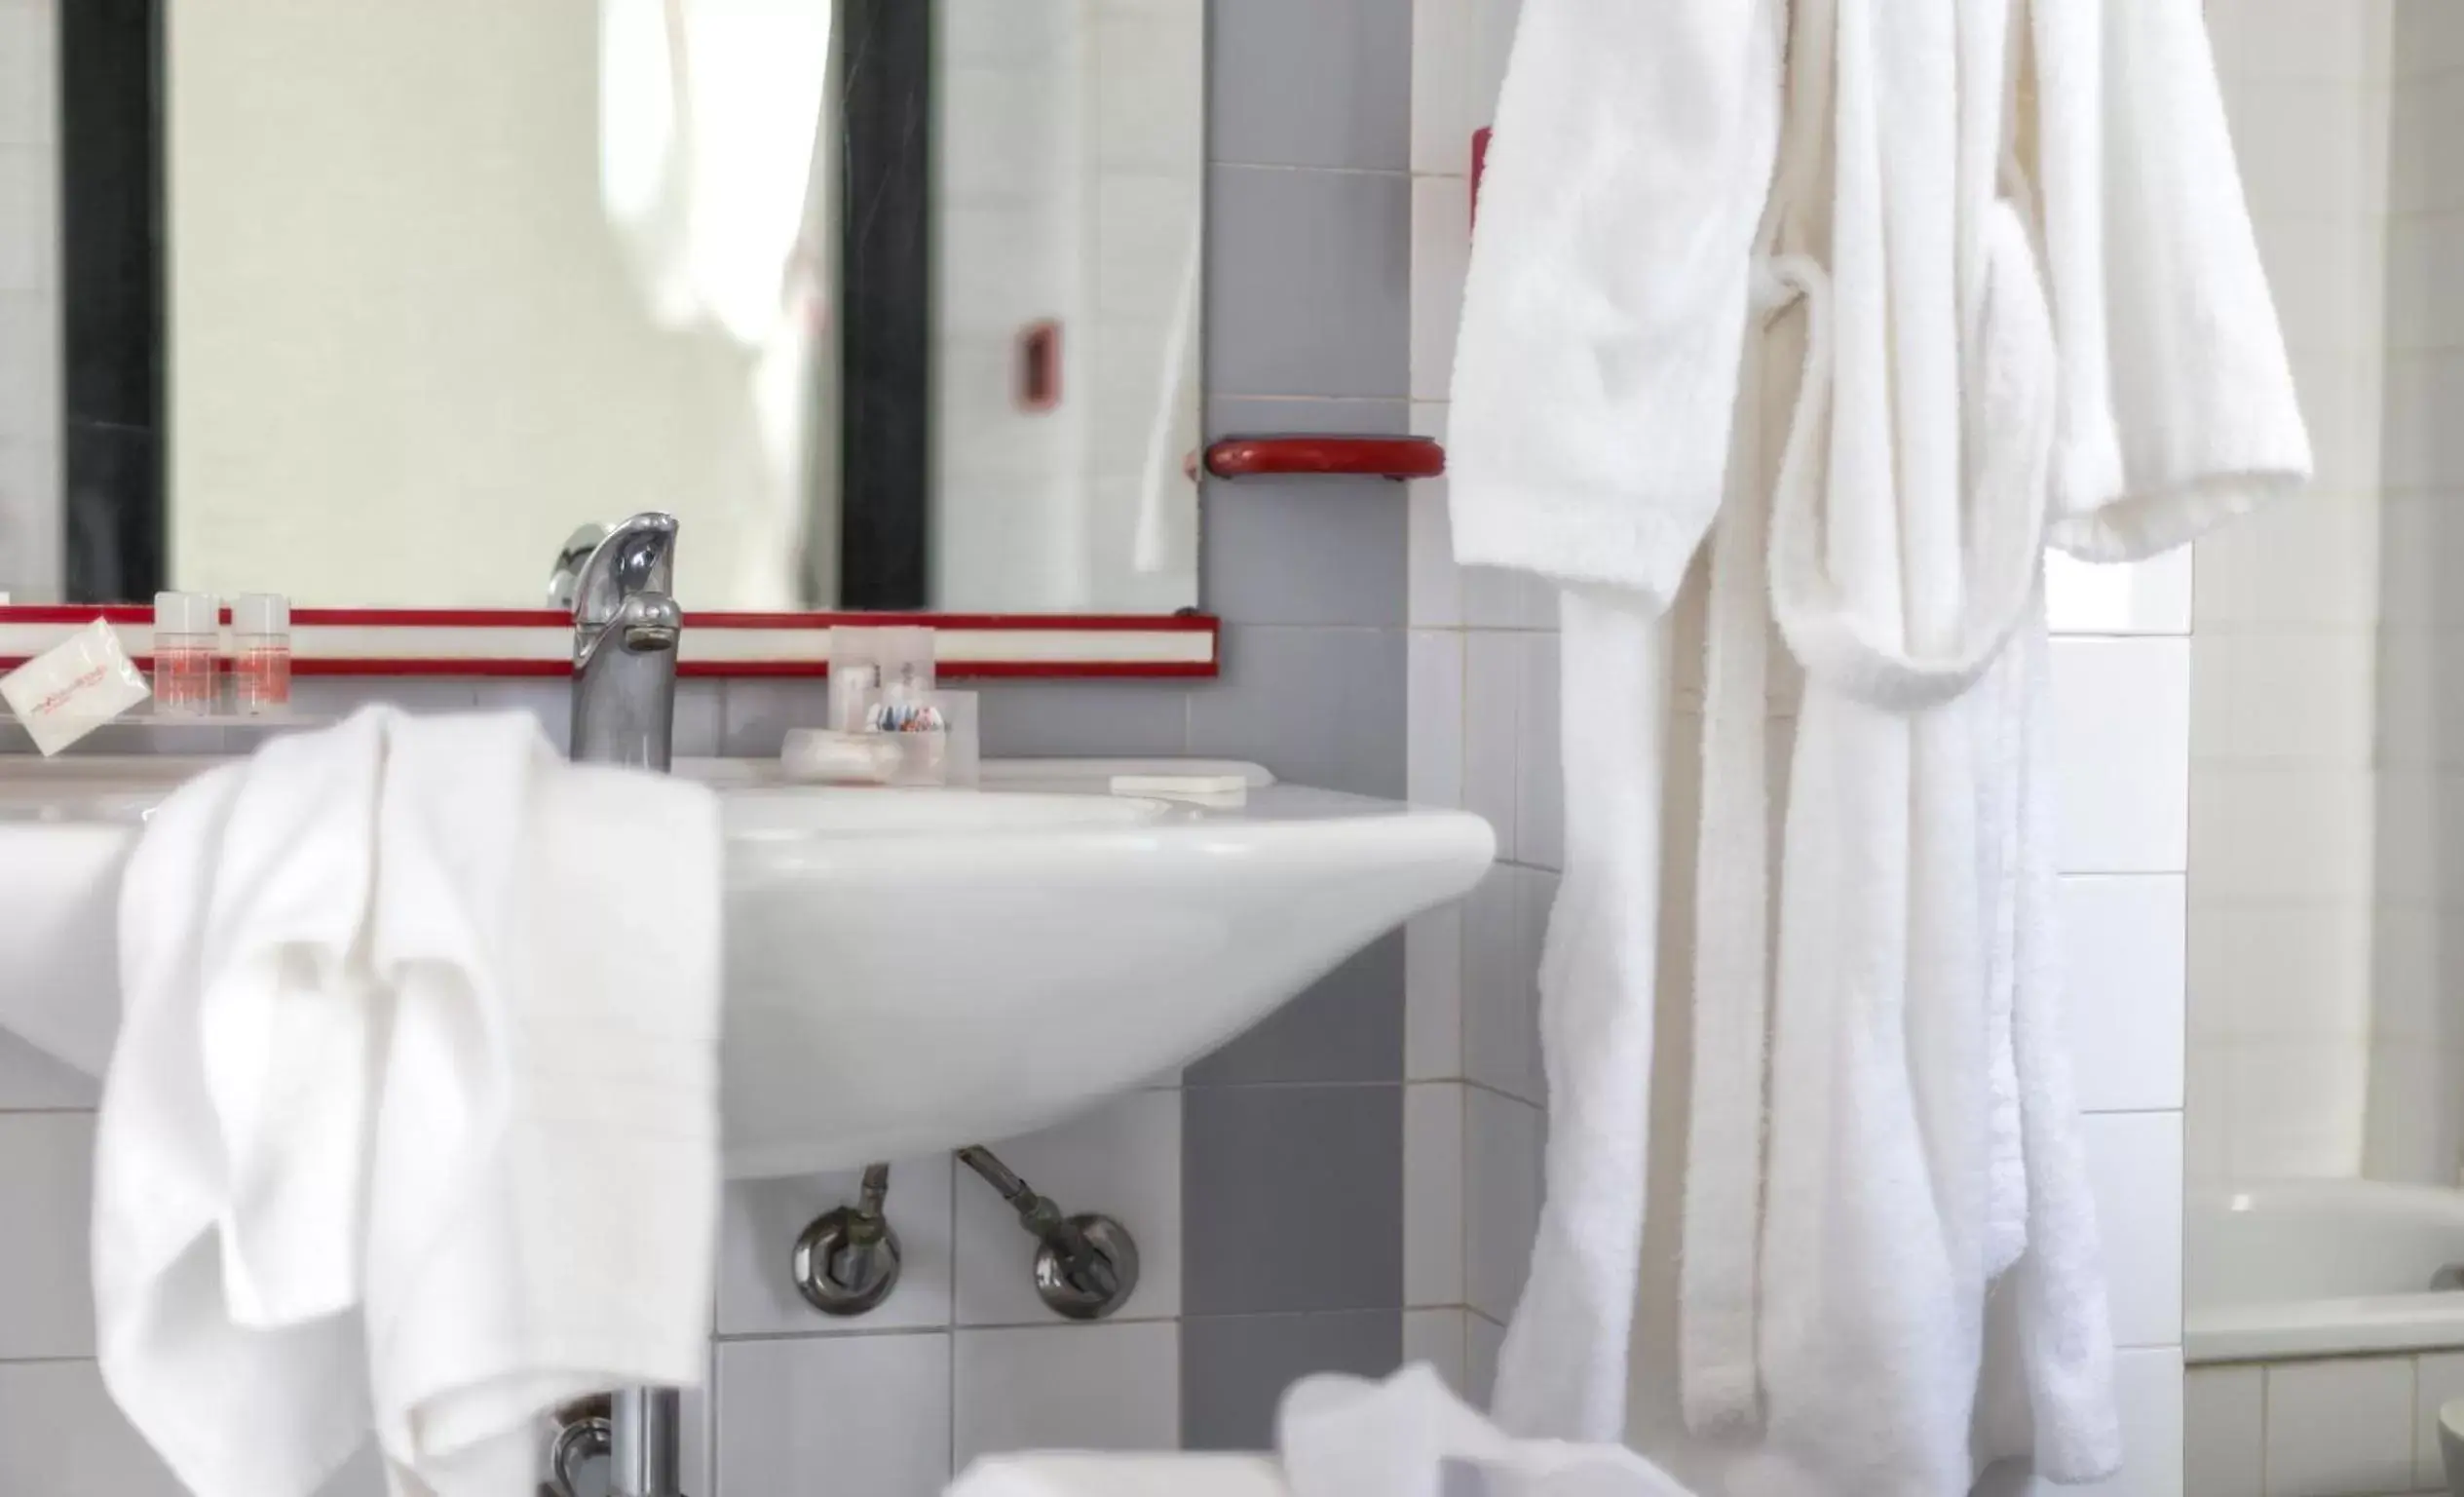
645 1437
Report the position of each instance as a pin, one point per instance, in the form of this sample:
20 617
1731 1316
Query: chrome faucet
622 585
625 630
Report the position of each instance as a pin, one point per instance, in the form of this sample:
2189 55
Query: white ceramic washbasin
907 971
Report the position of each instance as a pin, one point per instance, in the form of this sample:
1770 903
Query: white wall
1484 735
29 304
1481 735
2415 1120
2282 882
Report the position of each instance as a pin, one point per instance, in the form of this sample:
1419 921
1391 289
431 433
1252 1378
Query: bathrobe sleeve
1606 310
2179 408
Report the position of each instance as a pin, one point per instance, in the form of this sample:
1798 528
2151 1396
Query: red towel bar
1376 458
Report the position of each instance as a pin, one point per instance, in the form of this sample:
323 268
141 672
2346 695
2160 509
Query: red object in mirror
1039 366
1479 168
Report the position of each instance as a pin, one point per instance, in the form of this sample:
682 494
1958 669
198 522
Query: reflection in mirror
893 303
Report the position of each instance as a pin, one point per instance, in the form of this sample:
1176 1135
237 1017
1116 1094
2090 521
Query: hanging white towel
401 1128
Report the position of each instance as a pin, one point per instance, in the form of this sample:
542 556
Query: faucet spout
627 626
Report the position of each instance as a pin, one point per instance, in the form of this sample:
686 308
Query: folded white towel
401 1127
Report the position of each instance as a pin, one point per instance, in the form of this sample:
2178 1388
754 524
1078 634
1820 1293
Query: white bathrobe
1606 299
2019 325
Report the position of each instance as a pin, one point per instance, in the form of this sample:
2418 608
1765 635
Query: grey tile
32 1081
1233 1371
814 1414
339 696
1311 83
1348 1026
1322 707
1305 550
1233 415
1054 719
46 1181
1308 281
549 700
700 705
755 713
61 1436
1257 1163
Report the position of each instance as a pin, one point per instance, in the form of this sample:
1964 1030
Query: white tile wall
2337 1428
1108 1387
2125 984
761 1219
2437 1381
2122 718
1441 251
2224 1425
2316 672
1481 1339
1502 921
2135 1173
1502 1198
1122 1159
1438 1338
867 1413
1433 1172
2327 1428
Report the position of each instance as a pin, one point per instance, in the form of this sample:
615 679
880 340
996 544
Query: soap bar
825 757
1199 789
74 687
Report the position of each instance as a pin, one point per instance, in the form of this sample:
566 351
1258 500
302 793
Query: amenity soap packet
74 687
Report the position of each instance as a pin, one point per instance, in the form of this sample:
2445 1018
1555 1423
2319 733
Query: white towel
405 1124
1341 1437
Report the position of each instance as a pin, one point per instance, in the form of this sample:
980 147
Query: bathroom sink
907 971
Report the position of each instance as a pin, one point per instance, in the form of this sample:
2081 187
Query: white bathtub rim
2361 1327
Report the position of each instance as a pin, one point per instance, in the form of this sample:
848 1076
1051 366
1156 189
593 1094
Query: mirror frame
539 642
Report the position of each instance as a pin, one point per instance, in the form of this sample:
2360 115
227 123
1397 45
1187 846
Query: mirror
893 302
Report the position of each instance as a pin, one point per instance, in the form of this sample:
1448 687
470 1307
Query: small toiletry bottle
187 635
261 653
